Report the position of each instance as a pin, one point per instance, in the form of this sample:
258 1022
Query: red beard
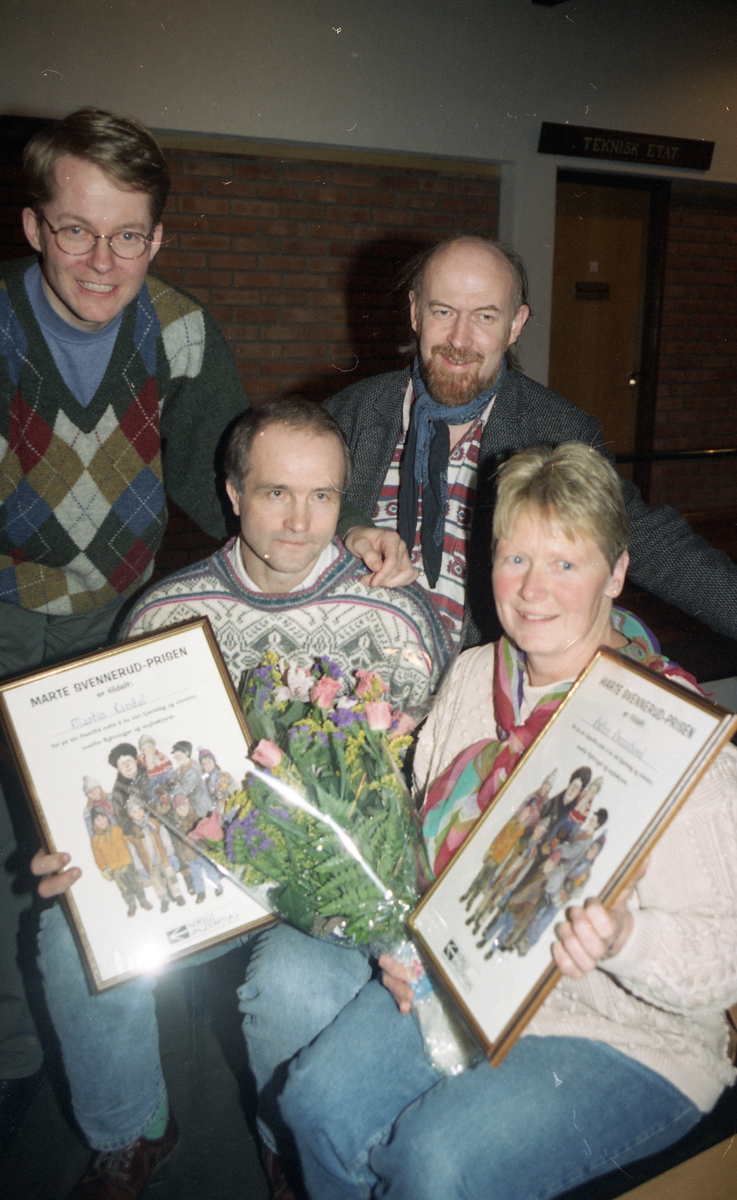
453 390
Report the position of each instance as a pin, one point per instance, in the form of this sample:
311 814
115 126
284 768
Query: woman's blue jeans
371 1117
295 986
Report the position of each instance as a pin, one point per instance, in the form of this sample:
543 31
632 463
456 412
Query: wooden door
603 242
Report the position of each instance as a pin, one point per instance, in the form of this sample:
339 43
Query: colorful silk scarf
467 787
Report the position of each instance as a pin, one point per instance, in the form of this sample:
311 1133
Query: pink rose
209 827
378 714
267 754
325 691
401 725
369 681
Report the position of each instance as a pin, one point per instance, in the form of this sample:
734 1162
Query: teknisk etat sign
616 145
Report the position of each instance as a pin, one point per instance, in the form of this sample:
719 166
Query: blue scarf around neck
425 466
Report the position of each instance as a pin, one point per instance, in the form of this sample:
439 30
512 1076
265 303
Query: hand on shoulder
384 553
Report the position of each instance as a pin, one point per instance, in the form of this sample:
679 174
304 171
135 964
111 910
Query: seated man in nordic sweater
284 584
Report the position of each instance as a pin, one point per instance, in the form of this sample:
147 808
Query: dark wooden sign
581 141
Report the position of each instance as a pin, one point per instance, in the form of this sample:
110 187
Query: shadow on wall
14 133
377 317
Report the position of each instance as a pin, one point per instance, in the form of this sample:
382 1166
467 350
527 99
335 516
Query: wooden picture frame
486 925
63 724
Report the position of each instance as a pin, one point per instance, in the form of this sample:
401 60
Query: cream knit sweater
661 1000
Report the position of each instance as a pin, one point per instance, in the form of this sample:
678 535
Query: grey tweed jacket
667 557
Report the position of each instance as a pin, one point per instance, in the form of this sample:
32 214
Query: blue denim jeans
109 1042
284 1009
28 640
371 1118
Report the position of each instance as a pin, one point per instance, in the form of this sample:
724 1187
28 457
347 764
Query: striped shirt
449 593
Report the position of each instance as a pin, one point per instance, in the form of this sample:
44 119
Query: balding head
413 274
465 315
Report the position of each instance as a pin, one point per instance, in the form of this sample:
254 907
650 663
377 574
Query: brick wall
697 375
298 263
298 260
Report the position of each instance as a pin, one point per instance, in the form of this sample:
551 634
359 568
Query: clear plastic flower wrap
324 832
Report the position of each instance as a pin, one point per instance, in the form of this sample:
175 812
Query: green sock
156 1129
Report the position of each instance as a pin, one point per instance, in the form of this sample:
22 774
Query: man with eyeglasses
115 389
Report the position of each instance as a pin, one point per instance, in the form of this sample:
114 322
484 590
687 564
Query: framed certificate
577 818
128 757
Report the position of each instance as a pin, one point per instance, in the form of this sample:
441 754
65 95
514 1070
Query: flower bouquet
324 828
325 832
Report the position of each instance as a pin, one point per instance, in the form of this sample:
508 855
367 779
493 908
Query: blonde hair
119 146
572 484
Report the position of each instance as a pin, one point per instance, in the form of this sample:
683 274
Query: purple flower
259 697
343 717
245 826
332 669
255 839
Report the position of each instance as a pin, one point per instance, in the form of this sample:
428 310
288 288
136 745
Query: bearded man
426 442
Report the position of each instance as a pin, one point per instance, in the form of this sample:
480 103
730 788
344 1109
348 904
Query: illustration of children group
536 864
134 829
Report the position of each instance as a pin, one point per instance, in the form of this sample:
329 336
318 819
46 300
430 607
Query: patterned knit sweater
661 1000
82 490
396 632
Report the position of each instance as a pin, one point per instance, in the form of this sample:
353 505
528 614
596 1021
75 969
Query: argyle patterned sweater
395 631
82 490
